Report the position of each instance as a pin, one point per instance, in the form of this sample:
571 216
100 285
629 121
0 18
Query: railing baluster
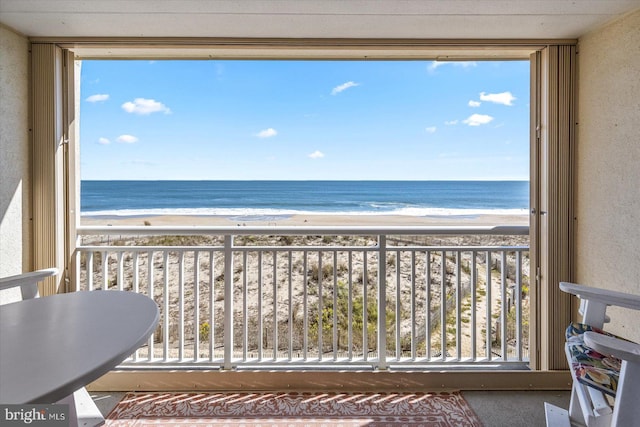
260 315
120 273
350 308
443 306
458 306
474 305
105 270
335 306
212 300
290 303
245 307
228 302
365 306
504 306
90 270
427 321
489 321
519 305
382 302
397 309
275 305
414 320
305 307
181 306
196 305
165 269
151 295
320 307
136 288
136 272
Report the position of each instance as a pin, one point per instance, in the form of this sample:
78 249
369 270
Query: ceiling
421 19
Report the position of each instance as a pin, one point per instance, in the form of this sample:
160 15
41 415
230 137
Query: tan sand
313 220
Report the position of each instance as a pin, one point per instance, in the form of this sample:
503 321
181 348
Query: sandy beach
309 220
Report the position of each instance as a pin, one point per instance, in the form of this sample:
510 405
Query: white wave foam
250 212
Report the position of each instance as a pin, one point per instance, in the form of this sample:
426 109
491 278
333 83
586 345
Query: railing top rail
506 230
310 248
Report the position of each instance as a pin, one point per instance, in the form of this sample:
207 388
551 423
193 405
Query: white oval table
53 346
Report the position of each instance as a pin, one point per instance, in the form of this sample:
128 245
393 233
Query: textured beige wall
608 163
14 153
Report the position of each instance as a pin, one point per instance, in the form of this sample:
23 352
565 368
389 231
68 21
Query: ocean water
267 199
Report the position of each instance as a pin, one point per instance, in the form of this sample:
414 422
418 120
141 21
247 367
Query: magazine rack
605 368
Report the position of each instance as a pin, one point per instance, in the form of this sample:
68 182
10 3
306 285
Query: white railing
318 297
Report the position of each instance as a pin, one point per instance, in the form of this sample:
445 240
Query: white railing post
474 304
443 307
196 306
228 302
165 293
150 287
489 321
320 307
181 302
212 300
382 302
427 305
504 306
105 270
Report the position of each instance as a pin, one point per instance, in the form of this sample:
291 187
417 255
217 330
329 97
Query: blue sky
304 120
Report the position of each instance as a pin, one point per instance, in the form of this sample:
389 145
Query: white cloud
127 139
316 155
336 90
463 64
103 141
431 129
504 98
473 103
145 106
99 97
477 119
267 133
451 122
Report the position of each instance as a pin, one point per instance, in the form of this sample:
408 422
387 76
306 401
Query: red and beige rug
293 409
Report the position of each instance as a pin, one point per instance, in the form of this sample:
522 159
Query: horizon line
323 180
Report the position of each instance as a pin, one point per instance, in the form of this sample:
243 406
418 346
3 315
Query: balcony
328 298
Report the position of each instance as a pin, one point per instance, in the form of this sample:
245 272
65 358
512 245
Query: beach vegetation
361 319
391 260
343 268
204 332
327 272
287 240
197 240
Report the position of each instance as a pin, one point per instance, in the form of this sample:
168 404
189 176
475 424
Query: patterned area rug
293 409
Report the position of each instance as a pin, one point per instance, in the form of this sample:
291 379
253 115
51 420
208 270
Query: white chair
81 406
27 282
605 369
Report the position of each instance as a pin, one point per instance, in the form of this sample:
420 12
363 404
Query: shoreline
307 220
